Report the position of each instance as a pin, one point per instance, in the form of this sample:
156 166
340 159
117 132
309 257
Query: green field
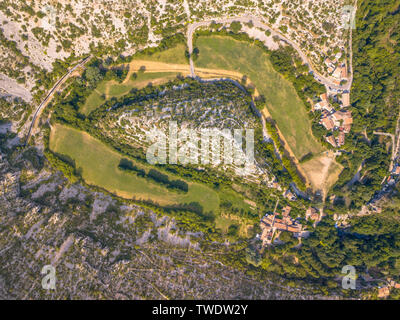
99 166
109 89
114 89
285 107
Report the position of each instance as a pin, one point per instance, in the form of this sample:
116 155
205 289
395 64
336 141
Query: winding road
49 95
259 23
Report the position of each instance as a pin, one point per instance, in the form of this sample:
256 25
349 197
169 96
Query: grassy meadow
99 165
175 55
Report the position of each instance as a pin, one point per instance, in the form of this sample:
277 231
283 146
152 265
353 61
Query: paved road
259 23
49 95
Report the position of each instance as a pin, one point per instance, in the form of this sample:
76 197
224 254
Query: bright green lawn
100 167
283 104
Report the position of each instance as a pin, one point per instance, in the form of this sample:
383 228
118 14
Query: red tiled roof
341 138
327 123
331 140
286 210
347 128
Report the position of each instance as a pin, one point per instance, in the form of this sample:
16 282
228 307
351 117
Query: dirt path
266 115
314 179
156 66
259 22
49 96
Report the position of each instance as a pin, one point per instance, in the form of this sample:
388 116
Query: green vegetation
109 89
235 26
94 100
98 165
154 175
175 55
280 97
375 100
170 50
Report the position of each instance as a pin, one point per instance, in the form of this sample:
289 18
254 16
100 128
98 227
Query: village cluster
337 70
337 122
273 224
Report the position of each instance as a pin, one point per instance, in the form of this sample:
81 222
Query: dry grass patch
322 171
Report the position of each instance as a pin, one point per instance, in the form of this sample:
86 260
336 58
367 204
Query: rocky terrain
38 33
102 248
191 105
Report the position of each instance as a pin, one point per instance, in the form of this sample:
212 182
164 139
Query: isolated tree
93 75
235 26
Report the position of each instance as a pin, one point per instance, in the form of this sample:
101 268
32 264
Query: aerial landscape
200 150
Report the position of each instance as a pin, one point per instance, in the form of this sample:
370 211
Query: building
272 225
286 211
343 71
312 214
327 123
337 73
324 97
396 170
346 128
375 209
289 195
393 284
340 139
331 140
340 73
342 118
346 100
329 63
323 104
383 292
